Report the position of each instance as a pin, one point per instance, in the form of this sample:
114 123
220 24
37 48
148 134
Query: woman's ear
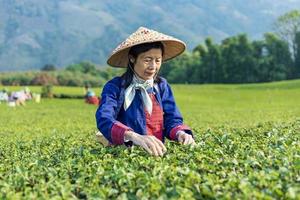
131 59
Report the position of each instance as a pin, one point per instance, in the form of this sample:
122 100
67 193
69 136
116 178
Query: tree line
235 60
238 60
79 74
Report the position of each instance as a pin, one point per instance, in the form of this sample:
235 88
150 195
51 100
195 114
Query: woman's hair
135 51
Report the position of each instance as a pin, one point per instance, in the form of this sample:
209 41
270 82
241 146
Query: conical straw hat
172 46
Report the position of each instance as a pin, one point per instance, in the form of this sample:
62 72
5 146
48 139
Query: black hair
135 51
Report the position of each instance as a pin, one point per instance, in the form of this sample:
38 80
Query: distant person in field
139 107
3 95
90 96
20 97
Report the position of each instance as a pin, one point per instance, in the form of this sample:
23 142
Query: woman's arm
107 124
173 121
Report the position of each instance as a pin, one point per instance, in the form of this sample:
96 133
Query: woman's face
148 63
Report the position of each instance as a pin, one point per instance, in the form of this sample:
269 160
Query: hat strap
133 70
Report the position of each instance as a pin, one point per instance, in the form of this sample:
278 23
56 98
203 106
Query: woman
90 96
139 106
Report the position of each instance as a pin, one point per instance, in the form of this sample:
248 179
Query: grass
248 148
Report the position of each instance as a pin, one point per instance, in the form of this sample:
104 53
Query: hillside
61 32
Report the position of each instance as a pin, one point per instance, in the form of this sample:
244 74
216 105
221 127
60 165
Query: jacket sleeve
173 121
107 124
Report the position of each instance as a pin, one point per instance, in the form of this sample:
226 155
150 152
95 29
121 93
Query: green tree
238 60
280 57
287 26
84 67
229 53
174 70
180 69
198 68
48 67
297 60
207 63
211 61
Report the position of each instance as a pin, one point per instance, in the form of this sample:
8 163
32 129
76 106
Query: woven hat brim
172 48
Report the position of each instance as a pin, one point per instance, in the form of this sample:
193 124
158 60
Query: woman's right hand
150 143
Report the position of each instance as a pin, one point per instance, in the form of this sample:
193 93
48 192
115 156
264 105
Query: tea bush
248 147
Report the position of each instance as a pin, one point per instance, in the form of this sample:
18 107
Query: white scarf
142 85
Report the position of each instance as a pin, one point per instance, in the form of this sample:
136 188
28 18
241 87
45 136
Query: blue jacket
111 110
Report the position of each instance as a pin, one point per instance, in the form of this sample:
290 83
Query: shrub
47 91
44 79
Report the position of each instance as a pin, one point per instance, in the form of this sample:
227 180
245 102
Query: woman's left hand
185 138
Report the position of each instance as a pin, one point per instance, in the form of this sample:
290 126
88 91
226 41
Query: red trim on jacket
155 121
117 132
178 128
